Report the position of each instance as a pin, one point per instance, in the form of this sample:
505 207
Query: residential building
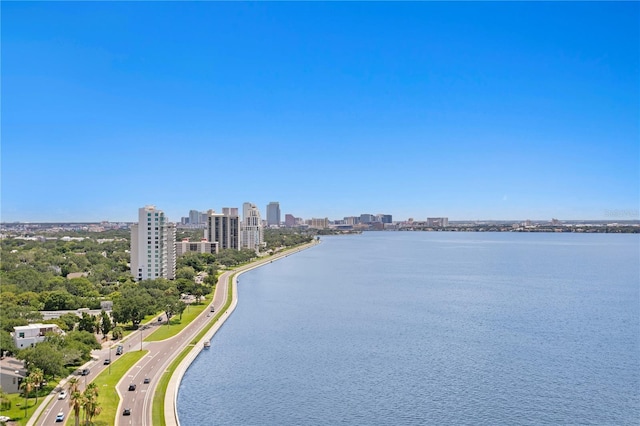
12 372
202 246
438 221
251 231
25 336
230 211
153 245
319 223
223 228
273 213
289 220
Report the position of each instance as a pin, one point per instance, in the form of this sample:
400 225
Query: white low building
25 336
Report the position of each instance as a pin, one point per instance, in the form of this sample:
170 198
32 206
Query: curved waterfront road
170 407
155 362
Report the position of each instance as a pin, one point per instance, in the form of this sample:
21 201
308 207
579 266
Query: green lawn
107 381
17 410
177 325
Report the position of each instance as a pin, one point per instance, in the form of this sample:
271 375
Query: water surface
415 328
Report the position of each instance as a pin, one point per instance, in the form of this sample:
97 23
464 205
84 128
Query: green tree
105 324
5 402
184 285
117 333
186 272
81 287
37 377
172 305
87 338
133 304
76 401
7 346
90 402
44 356
58 300
69 320
88 323
30 299
27 386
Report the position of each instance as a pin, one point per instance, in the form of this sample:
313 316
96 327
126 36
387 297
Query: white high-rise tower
251 231
153 253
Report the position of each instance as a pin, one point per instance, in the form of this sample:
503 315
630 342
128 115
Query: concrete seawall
171 397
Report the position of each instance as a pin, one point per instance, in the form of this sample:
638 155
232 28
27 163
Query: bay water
430 328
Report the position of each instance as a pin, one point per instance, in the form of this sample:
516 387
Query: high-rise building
367 218
194 217
251 231
289 220
273 213
223 228
153 245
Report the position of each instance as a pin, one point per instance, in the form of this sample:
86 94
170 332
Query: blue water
416 328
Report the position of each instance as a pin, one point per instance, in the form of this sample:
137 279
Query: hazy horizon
465 110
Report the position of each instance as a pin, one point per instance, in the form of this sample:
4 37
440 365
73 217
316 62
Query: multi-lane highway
138 401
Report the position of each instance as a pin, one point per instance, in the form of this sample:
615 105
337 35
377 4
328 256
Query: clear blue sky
468 110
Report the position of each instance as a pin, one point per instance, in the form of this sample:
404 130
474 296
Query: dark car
146 380
85 372
132 387
119 350
126 412
107 361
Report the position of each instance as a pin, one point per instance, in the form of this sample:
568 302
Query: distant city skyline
465 110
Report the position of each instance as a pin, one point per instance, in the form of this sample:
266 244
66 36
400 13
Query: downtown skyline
471 111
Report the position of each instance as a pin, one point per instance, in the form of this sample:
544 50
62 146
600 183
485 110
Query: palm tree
76 401
74 385
27 385
91 407
37 376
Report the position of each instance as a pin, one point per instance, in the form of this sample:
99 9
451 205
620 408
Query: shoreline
171 394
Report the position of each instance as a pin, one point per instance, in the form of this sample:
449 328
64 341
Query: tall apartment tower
223 228
273 213
251 231
153 240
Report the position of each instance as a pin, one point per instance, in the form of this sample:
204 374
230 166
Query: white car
60 417
62 394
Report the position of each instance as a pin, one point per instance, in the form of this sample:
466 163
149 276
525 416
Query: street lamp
109 359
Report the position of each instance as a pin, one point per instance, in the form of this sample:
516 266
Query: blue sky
468 110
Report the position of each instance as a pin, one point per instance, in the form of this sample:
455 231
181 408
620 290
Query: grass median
176 325
161 389
107 380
